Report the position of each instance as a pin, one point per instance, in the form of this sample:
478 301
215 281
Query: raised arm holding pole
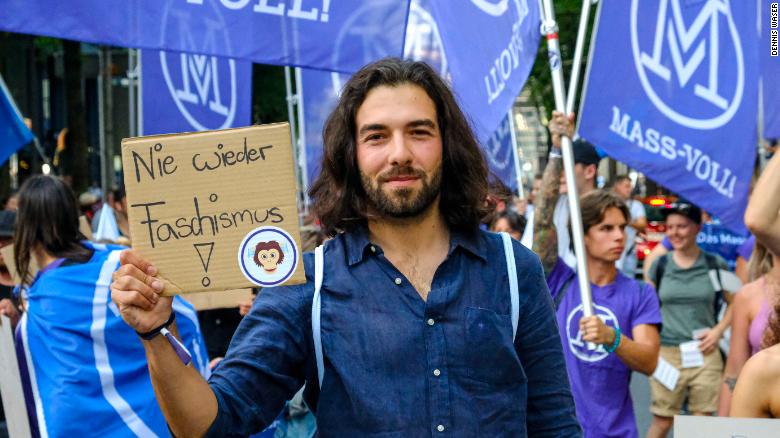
550 30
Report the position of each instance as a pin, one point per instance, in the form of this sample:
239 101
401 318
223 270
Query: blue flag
340 35
13 132
488 49
183 92
672 91
769 54
716 239
87 369
499 154
319 95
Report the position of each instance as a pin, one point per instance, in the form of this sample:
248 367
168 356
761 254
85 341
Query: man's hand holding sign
209 211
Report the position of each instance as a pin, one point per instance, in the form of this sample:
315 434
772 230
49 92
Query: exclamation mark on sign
204 252
325 9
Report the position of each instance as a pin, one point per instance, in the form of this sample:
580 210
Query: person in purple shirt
415 330
625 327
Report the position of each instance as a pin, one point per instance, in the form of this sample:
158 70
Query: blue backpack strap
316 308
511 270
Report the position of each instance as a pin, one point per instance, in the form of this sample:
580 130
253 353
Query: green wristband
616 344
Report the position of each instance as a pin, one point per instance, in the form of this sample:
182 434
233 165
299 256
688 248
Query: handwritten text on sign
215 210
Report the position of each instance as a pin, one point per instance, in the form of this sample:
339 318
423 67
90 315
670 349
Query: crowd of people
414 320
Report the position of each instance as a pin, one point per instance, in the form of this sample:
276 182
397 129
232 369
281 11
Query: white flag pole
515 156
550 29
133 112
574 79
140 114
302 158
292 101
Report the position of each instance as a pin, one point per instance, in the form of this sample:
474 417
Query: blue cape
87 370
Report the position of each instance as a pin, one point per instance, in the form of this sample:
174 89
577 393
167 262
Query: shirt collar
473 242
357 241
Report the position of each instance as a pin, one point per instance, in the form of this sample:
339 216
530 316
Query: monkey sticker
268 256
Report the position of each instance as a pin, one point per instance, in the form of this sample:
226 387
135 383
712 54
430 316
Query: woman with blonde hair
751 315
757 393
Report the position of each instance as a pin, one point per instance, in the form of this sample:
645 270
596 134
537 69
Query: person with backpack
691 295
624 327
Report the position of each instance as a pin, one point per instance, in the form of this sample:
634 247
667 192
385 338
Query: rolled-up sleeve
265 364
551 410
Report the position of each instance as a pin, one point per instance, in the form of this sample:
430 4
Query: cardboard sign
9 259
218 300
725 427
215 210
11 384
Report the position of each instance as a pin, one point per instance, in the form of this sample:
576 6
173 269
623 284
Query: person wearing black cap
690 293
586 162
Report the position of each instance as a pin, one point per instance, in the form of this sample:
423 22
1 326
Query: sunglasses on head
681 207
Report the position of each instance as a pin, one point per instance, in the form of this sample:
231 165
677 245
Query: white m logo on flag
203 80
691 48
205 74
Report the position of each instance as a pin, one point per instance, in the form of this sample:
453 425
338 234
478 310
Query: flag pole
132 113
292 100
574 79
550 30
140 102
515 156
303 160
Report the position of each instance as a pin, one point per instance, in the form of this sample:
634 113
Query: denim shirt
398 366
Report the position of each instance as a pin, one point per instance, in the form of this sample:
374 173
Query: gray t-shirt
687 299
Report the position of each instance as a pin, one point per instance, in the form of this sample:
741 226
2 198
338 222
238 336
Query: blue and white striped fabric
87 368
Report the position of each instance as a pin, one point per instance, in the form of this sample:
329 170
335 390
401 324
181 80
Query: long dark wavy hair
339 199
47 220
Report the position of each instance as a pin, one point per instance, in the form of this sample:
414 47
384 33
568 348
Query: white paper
698 333
723 427
666 374
691 355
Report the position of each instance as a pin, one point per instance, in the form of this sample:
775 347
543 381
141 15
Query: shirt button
436 372
397 281
431 321
440 428
373 248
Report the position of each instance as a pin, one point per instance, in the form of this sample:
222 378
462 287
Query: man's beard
402 202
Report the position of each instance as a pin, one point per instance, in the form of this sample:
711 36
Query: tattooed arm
545 235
